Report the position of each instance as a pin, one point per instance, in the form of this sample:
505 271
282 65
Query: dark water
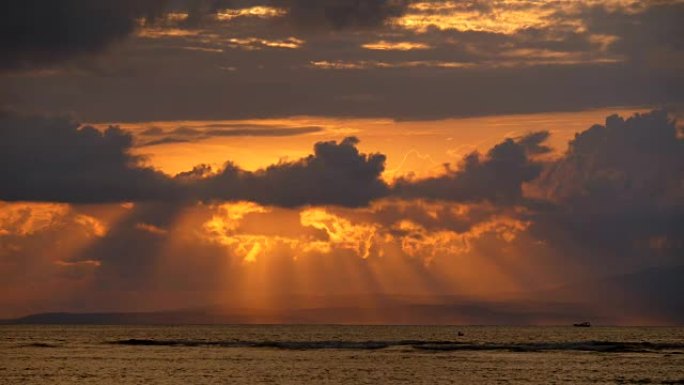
340 355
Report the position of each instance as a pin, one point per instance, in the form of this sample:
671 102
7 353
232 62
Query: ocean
332 354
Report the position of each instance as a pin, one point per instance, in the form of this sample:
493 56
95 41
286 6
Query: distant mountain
652 296
389 312
166 317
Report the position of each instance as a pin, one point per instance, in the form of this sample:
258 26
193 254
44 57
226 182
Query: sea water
332 354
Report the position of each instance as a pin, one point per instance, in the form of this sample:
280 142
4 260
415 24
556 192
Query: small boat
461 334
585 324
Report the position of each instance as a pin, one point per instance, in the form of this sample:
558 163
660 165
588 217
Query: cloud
58 160
644 37
38 32
619 190
497 177
611 205
335 174
340 14
189 134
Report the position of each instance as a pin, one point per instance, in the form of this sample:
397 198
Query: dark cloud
497 177
335 174
37 32
613 204
340 14
643 37
619 190
188 134
623 171
56 159
621 59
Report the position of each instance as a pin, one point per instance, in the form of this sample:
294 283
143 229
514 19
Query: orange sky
321 250
412 147
450 192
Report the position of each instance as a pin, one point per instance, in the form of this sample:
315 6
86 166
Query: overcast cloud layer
169 60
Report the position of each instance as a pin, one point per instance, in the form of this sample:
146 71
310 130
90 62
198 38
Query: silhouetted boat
586 324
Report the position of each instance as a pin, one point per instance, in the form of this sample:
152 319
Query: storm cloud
620 189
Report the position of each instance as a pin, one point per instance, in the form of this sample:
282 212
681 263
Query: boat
585 324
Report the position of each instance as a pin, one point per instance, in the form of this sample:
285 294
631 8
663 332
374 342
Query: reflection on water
339 355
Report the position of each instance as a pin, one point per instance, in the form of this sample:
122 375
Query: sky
353 161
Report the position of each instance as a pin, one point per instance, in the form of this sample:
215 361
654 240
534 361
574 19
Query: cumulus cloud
497 176
612 205
58 160
633 164
337 173
620 190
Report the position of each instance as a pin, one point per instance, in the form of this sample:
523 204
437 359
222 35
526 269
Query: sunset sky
474 161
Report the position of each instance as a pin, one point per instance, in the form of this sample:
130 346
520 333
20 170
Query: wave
437 346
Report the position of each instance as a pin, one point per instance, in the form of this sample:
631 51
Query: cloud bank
611 205
58 160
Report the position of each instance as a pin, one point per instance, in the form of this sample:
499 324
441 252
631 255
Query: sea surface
330 354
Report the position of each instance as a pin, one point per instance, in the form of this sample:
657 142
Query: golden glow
374 64
383 45
261 12
158 33
417 241
341 232
29 218
253 43
151 229
228 216
42 250
177 16
509 59
413 148
507 16
319 253
94 225
223 226
452 15
87 263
